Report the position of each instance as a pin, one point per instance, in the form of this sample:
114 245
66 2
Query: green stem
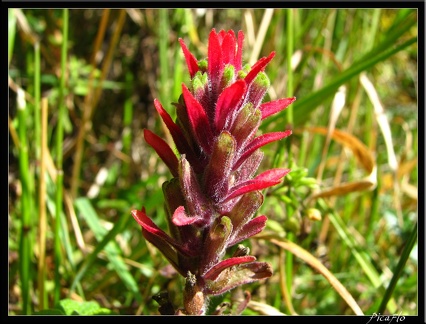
37 88
399 268
164 61
59 157
11 32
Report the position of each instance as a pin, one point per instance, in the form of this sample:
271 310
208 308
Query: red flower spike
211 202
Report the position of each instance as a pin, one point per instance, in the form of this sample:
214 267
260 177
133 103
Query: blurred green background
81 89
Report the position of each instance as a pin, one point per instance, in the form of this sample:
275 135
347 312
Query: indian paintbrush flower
214 194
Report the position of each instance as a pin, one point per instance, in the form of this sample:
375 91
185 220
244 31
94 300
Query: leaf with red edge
215 271
272 107
191 61
198 119
237 276
259 142
163 150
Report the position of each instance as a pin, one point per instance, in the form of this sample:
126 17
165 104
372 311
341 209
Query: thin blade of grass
399 268
317 265
305 106
105 241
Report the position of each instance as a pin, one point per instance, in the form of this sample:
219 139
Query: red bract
214 194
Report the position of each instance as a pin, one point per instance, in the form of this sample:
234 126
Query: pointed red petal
163 150
273 175
198 119
273 107
191 61
259 142
158 234
265 180
256 225
228 48
178 137
228 101
215 62
258 66
239 56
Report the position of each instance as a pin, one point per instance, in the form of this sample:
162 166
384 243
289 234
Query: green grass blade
399 268
304 106
11 32
106 241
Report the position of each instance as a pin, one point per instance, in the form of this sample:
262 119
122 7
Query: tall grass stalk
127 123
87 106
59 157
163 45
26 206
42 295
11 33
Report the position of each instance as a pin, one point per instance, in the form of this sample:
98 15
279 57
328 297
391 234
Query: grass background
81 89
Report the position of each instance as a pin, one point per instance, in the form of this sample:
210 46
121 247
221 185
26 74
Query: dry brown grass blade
381 119
318 266
263 309
359 149
346 188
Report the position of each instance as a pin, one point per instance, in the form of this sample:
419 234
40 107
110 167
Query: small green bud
262 80
202 65
199 82
228 75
